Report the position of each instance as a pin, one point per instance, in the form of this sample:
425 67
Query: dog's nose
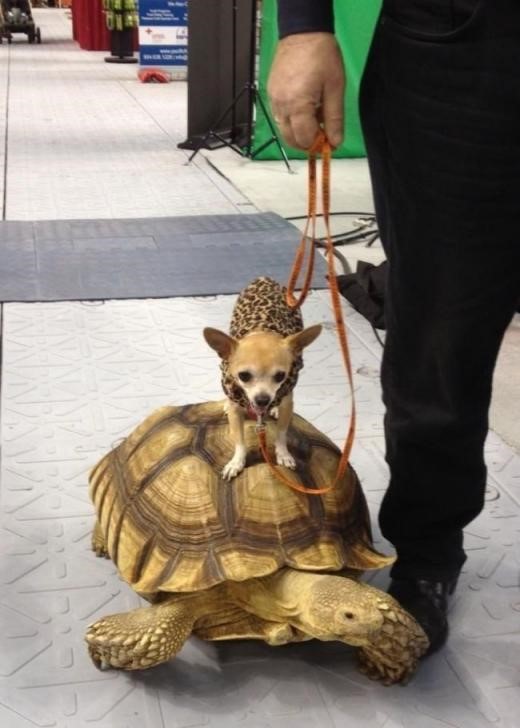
262 400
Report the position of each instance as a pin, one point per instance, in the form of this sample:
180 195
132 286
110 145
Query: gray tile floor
86 141
77 376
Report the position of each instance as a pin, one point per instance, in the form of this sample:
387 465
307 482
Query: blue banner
163 33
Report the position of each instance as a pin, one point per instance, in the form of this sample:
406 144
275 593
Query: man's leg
441 116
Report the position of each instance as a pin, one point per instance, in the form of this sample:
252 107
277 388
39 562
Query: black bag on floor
365 290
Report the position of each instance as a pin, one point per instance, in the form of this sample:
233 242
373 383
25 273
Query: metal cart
17 17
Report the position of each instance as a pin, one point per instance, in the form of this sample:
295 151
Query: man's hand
306 87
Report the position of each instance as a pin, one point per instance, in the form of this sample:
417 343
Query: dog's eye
279 377
245 376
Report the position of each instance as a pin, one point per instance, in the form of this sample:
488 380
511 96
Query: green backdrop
355 22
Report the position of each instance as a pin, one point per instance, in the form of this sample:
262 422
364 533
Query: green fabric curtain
355 20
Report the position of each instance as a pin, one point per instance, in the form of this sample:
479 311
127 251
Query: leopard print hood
262 306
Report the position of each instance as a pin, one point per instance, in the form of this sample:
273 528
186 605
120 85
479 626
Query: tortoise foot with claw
140 638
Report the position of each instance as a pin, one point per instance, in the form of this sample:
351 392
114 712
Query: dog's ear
223 344
299 341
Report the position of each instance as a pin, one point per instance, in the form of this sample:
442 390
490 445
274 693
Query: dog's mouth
261 411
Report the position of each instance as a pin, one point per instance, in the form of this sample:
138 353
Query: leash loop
321 147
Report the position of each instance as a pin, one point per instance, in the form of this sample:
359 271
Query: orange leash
301 251
320 146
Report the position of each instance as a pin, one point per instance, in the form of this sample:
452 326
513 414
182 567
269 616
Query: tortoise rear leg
141 638
98 542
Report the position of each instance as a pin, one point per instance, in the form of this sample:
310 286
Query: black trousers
440 107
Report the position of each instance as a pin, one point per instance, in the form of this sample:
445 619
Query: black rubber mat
68 260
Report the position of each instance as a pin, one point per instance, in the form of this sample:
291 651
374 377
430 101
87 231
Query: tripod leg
257 96
202 143
212 133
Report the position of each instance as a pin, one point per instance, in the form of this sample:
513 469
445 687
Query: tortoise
246 559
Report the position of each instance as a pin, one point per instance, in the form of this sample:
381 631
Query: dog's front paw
284 457
234 467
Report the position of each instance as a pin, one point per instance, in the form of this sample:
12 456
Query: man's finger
305 127
333 113
284 125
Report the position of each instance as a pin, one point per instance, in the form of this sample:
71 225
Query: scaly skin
392 655
144 637
323 606
329 607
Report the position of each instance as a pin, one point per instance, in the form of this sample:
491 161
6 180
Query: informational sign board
163 35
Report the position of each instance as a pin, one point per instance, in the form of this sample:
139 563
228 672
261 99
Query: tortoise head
338 608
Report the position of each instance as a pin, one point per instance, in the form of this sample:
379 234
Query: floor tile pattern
76 378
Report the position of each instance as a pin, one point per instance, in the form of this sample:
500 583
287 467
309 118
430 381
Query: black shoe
427 602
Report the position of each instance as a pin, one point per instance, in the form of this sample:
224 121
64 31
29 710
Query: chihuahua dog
260 361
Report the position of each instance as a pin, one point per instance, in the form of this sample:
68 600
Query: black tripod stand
238 139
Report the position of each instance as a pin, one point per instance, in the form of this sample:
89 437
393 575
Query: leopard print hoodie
262 306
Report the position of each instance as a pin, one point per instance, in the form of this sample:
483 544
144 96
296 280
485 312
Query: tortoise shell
172 524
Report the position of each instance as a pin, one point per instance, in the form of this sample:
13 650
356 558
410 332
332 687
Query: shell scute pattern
178 526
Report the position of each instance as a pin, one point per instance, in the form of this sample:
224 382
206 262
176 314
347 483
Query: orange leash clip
320 147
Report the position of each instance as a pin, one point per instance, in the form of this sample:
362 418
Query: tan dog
261 358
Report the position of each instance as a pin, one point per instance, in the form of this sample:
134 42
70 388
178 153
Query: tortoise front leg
143 637
392 655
